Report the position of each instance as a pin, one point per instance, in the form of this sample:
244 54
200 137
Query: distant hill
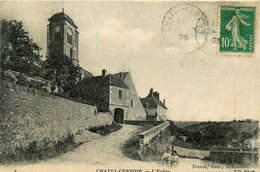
182 124
209 135
232 127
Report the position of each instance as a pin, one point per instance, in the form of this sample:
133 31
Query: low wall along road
146 136
191 153
154 142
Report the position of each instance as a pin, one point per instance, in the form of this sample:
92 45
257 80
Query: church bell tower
62 32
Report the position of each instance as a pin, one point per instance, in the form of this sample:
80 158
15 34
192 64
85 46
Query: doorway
119 115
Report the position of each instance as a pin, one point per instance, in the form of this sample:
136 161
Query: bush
22 80
105 130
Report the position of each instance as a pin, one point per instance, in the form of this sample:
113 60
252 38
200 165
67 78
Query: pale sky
198 86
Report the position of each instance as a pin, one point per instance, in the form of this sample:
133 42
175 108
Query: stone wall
114 96
155 141
135 122
157 146
146 136
191 153
115 102
229 157
28 115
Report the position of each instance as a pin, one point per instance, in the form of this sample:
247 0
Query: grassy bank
35 151
105 130
46 149
131 147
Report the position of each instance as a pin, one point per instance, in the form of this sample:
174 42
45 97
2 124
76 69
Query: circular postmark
210 47
185 27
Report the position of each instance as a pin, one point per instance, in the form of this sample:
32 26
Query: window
71 54
69 36
120 94
57 33
132 103
57 36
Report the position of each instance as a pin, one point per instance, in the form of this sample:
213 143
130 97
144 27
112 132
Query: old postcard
129 86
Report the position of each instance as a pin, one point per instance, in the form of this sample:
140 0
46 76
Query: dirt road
104 153
101 151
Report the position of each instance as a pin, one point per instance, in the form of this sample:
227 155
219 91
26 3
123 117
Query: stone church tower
62 32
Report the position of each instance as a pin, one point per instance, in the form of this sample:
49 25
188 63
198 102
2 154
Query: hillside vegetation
215 135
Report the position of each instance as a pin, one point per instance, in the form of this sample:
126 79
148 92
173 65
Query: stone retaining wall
242 158
191 153
28 115
146 136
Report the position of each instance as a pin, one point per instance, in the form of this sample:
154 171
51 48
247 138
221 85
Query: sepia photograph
129 86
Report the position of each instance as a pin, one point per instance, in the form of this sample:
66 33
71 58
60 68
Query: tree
60 69
18 51
88 92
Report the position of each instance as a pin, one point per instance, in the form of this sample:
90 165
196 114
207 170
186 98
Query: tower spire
62 6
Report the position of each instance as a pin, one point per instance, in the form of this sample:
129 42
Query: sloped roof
124 74
114 80
161 104
95 80
86 73
63 16
109 79
152 102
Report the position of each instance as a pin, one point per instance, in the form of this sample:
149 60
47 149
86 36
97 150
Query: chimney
104 72
158 96
151 92
164 102
121 75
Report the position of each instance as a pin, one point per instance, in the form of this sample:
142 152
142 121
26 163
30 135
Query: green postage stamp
237 30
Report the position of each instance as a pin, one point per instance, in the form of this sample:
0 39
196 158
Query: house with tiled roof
113 93
155 109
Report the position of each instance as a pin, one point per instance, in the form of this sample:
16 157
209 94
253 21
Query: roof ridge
157 101
63 16
112 79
